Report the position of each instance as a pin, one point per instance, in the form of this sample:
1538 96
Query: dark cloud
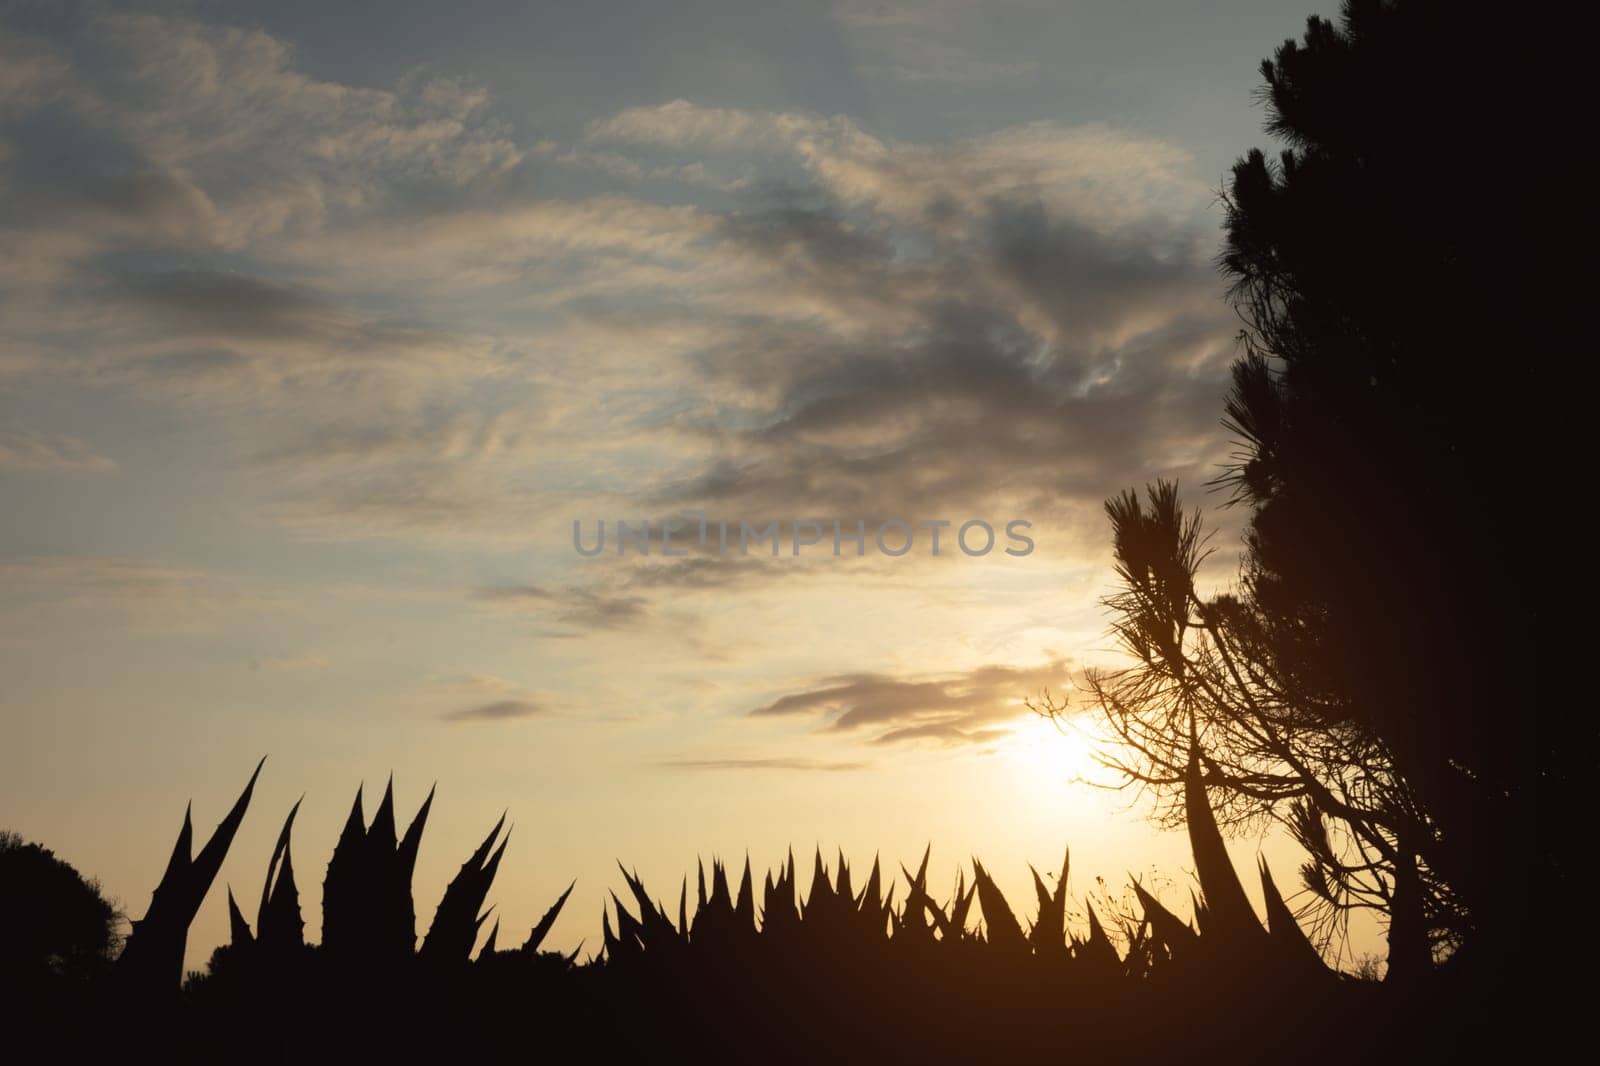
961 427
232 305
498 711
1096 286
145 196
959 709
123 208
810 236
1033 361
273 321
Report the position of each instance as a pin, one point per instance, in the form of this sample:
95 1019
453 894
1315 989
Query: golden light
1053 754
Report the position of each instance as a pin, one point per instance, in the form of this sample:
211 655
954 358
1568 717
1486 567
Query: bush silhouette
54 923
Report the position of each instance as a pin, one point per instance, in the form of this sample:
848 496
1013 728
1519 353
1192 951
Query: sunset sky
318 331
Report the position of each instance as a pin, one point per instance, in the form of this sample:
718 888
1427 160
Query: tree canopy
1387 678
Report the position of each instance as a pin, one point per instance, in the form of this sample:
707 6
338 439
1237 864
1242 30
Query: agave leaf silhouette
1049 932
612 947
1227 912
780 913
1001 924
872 894
721 899
821 890
381 837
656 927
153 955
456 923
238 928
281 926
914 917
278 851
542 930
1173 933
1293 947
278 922
960 907
367 906
1098 950
343 906
406 856
628 927
744 908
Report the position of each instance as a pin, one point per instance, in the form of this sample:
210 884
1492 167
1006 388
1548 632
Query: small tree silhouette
1210 706
53 921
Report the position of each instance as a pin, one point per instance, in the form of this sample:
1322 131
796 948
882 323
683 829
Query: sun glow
1055 753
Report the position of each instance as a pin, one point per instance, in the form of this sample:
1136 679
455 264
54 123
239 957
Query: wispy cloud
498 711
22 449
291 664
775 763
38 593
380 326
937 43
971 707
1020 318
99 580
574 605
616 593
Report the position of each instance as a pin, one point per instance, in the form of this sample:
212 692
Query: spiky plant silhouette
843 971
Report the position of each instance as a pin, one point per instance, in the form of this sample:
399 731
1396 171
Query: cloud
231 334
623 593
466 698
680 124
484 683
263 149
573 605
1026 319
703 573
778 763
417 342
132 594
942 732
217 305
966 708
1092 173
937 43
95 579
588 609
436 434
23 449
628 169
498 711
291 664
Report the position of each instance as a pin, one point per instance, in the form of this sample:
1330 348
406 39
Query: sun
1053 754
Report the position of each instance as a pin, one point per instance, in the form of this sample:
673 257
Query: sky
319 331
